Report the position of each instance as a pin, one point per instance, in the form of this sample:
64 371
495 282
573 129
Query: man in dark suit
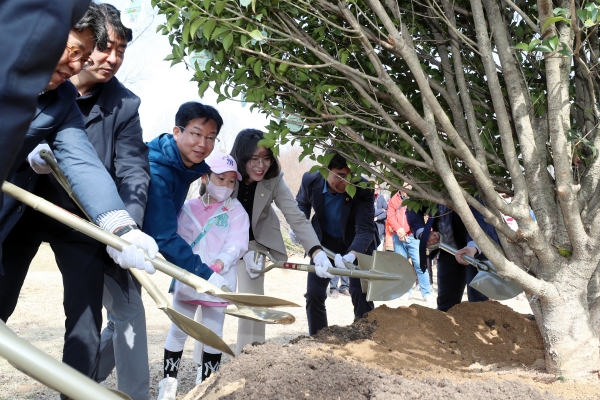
344 225
32 39
452 276
112 123
80 259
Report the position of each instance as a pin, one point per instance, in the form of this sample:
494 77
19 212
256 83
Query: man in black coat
110 114
344 225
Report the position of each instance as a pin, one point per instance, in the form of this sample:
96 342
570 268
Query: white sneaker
199 376
167 389
406 296
429 299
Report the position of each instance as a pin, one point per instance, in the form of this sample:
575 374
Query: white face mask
219 193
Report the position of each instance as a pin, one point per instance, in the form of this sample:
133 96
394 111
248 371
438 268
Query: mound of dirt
391 353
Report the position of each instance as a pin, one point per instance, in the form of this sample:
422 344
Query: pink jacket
225 240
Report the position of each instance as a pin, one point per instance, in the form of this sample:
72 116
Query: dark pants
316 293
452 278
33 35
81 263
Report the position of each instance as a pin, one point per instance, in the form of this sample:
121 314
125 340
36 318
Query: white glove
37 163
217 280
133 256
322 263
250 264
293 237
339 260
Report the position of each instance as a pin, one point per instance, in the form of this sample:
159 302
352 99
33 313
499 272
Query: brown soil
396 352
406 352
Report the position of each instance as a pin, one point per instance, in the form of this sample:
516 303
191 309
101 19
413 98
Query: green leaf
202 88
351 190
553 20
257 35
564 252
553 42
185 35
195 25
342 121
219 31
219 6
257 68
522 46
228 41
208 27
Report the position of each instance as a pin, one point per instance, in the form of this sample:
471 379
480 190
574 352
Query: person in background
407 245
452 276
381 207
344 225
262 185
216 228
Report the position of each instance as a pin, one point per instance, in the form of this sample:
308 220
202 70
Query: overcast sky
163 89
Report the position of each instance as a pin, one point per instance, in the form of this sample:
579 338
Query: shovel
381 273
186 324
51 372
487 280
91 230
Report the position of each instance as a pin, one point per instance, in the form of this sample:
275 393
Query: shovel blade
260 314
255 300
389 263
197 330
494 286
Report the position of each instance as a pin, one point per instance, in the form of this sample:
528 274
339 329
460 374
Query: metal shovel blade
487 281
197 330
494 286
388 263
261 314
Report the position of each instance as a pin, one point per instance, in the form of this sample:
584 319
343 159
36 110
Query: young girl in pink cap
216 227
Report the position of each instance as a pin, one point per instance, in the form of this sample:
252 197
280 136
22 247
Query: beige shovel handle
474 262
48 371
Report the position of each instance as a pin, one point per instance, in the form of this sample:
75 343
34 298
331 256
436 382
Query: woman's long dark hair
243 149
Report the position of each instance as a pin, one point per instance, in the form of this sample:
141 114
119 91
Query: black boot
210 364
172 360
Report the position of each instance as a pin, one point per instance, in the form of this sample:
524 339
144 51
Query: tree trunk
571 341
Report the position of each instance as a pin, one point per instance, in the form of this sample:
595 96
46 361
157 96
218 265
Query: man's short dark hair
112 18
337 162
243 149
99 18
193 109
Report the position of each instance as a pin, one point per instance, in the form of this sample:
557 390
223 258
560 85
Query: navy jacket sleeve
364 212
416 220
487 228
303 197
161 223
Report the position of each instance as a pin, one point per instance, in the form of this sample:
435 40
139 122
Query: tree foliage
464 100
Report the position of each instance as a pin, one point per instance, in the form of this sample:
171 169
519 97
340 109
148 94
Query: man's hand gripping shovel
384 275
487 281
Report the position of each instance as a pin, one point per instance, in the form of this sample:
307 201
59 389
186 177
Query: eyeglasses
256 161
75 54
196 136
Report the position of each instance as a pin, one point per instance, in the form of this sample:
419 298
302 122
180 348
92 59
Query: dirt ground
404 349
